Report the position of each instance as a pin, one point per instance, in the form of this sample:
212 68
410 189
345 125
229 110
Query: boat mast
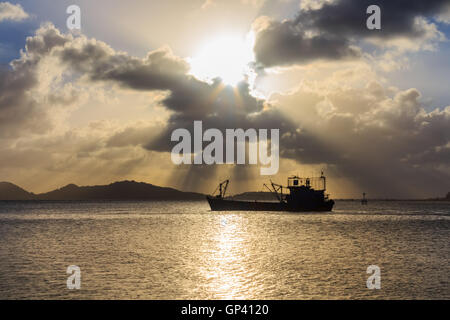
275 189
324 181
223 186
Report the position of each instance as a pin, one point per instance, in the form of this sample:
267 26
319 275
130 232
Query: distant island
447 198
118 191
132 190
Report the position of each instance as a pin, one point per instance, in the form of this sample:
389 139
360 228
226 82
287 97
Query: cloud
444 15
81 156
71 58
13 12
26 101
207 4
381 139
386 142
332 29
368 134
189 99
285 43
52 62
348 17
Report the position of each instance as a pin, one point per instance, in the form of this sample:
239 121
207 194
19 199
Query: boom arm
277 190
222 189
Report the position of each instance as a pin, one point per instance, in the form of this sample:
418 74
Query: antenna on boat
277 190
324 179
223 186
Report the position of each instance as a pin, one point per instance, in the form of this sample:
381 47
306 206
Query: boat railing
316 183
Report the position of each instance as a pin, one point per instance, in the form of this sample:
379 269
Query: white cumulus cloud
14 12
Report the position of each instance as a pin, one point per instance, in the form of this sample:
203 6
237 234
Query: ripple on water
180 250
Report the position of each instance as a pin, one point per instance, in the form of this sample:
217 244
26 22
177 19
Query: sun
225 57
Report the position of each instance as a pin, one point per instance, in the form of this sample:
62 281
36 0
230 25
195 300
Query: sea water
182 250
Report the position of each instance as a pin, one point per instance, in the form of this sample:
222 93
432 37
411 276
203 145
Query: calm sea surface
181 250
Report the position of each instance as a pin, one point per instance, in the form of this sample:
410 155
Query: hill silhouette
9 191
124 190
446 198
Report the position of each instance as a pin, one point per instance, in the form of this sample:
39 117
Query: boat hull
220 204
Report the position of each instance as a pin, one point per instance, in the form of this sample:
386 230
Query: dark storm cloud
348 17
158 71
330 31
285 43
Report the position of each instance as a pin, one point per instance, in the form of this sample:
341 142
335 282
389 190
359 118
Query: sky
371 108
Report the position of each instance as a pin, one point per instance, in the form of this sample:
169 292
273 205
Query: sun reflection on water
227 271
